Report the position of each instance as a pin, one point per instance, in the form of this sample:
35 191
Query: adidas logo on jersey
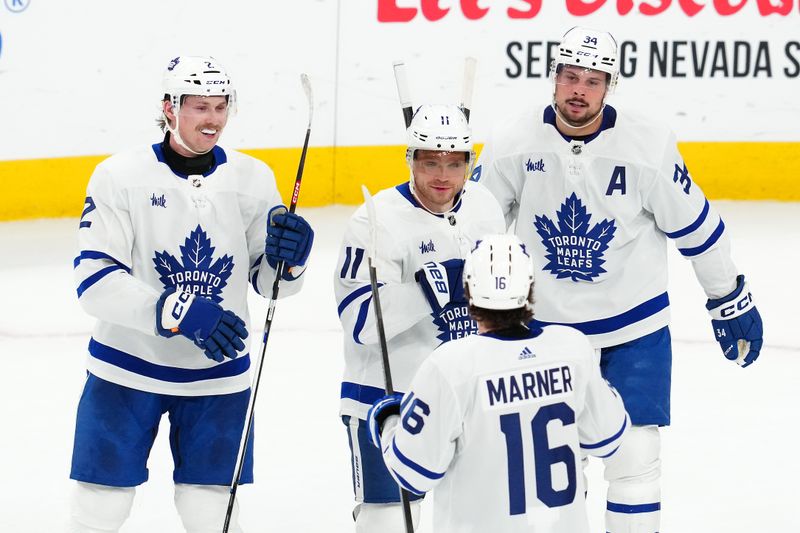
428 247
158 201
530 166
526 353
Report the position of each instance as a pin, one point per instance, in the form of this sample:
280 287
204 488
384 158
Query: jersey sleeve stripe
97 276
361 319
419 469
406 485
609 440
133 364
609 454
693 226
633 509
94 254
607 325
361 291
697 250
361 393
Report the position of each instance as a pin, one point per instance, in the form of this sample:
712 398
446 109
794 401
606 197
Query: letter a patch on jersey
195 273
574 250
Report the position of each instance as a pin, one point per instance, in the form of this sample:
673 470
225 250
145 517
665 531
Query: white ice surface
729 459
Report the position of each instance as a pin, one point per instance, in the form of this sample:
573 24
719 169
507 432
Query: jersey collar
513 334
608 121
219 157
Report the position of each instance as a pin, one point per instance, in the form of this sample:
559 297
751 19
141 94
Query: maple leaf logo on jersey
573 249
454 322
195 273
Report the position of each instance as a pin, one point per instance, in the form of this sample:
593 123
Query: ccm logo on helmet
216 82
740 305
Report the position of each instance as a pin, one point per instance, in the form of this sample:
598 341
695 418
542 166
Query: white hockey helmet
590 49
196 76
441 128
499 273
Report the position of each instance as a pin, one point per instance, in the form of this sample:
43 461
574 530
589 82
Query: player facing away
170 239
497 422
596 194
424 230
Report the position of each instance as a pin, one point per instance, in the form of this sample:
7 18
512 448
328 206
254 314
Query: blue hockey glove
737 324
381 410
442 283
289 238
219 333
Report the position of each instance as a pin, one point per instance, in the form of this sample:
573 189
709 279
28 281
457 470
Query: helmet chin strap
177 136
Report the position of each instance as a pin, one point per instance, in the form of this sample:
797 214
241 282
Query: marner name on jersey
529 385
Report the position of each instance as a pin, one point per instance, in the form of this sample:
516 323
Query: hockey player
171 236
595 195
425 228
497 422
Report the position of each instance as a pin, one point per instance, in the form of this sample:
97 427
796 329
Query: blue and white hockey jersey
498 426
408 236
144 229
596 214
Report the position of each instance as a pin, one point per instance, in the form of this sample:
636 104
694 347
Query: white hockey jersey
498 426
144 229
596 214
408 236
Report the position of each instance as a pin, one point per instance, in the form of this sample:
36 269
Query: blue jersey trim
354 296
607 325
254 270
362 393
131 363
419 469
609 440
220 158
94 278
608 121
406 485
633 509
361 319
697 250
609 454
93 254
693 226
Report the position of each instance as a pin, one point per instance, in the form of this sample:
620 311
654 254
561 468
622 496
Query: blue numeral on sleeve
412 420
348 256
89 203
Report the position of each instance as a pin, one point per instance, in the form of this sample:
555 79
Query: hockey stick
387 372
268 323
403 92
470 65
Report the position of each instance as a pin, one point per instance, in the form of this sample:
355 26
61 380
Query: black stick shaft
387 376
267 328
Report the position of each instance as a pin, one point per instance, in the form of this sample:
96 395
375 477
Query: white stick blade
373 224
401 78
470 66
309 95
